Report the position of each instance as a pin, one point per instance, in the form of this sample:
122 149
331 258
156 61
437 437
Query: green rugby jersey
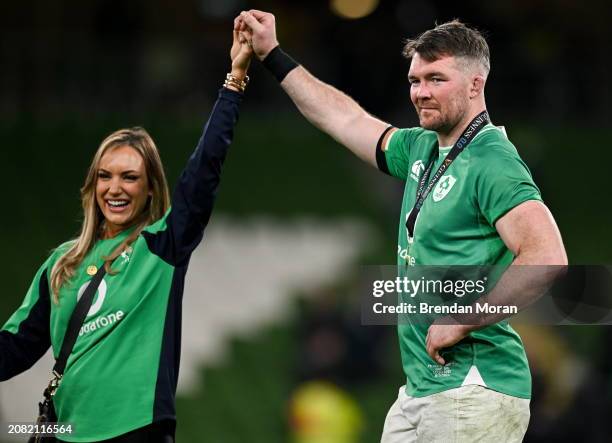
123 369
456 226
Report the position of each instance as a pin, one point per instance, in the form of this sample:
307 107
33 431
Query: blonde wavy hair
93 219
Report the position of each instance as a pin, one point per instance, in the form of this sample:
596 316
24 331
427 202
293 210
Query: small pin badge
92 270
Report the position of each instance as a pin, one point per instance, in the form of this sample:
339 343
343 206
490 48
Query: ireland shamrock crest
443 187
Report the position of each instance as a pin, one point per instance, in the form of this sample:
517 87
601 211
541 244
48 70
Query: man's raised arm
324 106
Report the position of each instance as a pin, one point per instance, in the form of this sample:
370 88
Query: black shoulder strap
76 320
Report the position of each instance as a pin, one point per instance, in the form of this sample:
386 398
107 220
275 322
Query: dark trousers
158 432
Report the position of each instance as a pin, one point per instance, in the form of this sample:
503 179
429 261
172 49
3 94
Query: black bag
46 416
46 409
46 412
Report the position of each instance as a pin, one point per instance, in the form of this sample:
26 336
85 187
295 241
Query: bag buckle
53 384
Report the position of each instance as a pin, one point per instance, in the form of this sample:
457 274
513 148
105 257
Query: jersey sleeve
176 236
504 182
397 151
25 337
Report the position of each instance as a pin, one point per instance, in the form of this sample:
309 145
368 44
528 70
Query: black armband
279 63
381 160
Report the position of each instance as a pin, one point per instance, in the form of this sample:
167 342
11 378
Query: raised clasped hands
260 29
241 53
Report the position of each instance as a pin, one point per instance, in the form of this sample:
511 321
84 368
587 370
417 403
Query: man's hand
323 105
530 232
262 28
440 336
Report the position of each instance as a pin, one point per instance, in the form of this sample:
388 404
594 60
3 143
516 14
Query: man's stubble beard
447 122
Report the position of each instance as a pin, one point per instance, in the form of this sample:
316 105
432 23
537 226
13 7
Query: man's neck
450 138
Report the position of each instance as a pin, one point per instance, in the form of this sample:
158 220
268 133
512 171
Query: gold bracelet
234 85
241 85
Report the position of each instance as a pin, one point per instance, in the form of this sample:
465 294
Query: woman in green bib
119 379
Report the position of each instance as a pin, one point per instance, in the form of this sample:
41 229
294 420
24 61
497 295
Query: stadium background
273 347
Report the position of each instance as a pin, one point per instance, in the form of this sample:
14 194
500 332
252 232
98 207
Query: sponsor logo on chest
101 321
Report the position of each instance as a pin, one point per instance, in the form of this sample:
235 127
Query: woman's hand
241 53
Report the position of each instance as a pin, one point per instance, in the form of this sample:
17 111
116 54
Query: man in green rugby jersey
469 200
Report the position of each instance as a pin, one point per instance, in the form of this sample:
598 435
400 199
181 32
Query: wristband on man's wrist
279 63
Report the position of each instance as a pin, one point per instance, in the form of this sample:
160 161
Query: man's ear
477 85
